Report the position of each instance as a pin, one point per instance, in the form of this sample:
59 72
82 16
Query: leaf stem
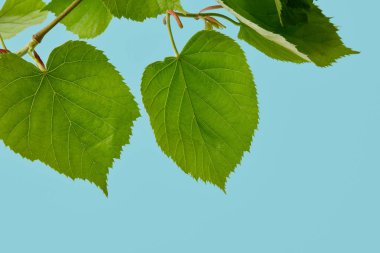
3 43
38 60
39 36
208 14
171 34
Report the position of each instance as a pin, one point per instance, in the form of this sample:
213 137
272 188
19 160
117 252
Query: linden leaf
303 34
89 19
17 15
75 117
203 106
139 10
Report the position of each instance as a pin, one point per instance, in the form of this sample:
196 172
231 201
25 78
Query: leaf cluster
202 102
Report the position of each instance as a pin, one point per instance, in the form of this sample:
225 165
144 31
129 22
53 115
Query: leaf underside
17 15
203 106
76 117
302 34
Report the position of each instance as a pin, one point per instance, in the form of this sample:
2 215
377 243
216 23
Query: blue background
311 182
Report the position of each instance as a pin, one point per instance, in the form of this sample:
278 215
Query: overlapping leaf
303 34
203 106
140 10
17 15
75 117
89 19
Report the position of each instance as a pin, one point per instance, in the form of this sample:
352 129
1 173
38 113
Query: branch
39 36
3 43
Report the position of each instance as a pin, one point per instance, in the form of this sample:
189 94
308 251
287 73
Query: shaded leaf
306 35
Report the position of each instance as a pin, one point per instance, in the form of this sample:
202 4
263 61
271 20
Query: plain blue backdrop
310 184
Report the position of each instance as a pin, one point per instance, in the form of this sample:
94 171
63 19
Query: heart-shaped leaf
203 106
75 117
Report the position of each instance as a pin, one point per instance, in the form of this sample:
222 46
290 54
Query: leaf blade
196 112
306 32
88 20
17 15
74 121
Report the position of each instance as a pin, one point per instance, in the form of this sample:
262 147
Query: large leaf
17 15
203 106
303 34
140 10
75 117
89 19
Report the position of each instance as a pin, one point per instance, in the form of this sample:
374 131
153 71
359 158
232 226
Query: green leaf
17 15
89 19
203 106
139 10
305 35
75 117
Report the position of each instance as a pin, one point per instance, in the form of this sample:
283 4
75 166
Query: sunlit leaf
203 106
75 117
89 19
17 15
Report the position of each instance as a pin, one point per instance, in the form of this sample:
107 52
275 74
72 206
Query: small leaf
139 10
75 117
279 10
17 15
203 106
303 34
88 20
